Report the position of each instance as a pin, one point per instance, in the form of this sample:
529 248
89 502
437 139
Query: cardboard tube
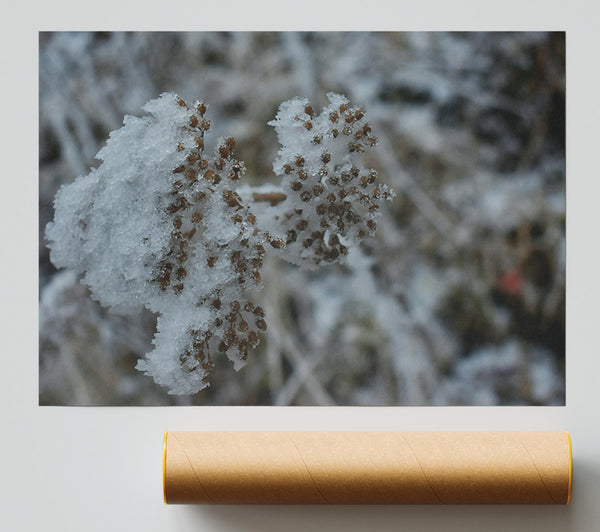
367 467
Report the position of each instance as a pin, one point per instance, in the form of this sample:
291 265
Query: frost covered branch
163 224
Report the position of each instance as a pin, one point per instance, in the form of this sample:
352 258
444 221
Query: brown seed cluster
186 215
240 321
197 355
199 182
236 328
198 178
332 202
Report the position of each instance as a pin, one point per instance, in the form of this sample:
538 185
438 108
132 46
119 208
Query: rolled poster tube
367 467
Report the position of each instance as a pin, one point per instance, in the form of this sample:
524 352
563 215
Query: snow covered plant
164 224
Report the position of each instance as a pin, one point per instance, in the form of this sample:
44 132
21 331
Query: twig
273 197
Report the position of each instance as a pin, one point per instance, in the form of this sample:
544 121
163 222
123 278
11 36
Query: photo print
344 218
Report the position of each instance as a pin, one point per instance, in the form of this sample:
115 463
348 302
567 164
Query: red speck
510 282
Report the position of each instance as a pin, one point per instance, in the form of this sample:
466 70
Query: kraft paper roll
367 467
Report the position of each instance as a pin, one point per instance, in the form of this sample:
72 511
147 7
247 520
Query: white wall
96 469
